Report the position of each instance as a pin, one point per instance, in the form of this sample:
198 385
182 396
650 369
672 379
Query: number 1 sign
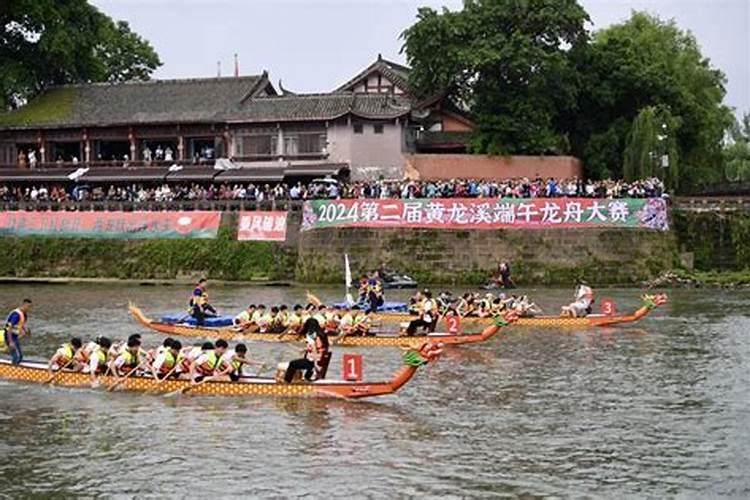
353 367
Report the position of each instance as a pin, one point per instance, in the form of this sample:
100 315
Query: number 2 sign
353 367
608 307
454 324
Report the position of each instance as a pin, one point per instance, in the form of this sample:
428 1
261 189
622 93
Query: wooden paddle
192 386
122 379
54 376
162 380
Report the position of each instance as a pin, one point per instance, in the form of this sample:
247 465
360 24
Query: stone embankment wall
705 240
468 257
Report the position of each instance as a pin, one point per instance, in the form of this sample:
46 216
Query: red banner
122 225
262 226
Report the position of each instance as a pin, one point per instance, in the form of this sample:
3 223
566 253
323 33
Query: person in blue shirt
15 328
198 306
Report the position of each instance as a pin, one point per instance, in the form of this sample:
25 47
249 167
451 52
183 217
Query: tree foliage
53 42
506 59
640 63
536 82
651 149
737 151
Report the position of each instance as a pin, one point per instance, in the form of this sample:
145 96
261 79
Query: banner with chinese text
485 213
114 225
262 226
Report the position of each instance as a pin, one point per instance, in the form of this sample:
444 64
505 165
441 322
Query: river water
658 409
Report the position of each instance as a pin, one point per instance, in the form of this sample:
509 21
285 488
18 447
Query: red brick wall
438 166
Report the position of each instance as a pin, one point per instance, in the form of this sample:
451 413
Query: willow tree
651 148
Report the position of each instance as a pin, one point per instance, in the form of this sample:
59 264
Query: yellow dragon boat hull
591 320
381 340
247 386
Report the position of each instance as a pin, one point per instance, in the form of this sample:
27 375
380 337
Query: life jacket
331 321
87 351
208 366
294 321
236 365
199 297
101 359
67 353
131 361
169 361
18 328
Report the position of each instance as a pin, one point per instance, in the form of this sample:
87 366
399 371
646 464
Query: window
358 128
303 143
259 145
378 128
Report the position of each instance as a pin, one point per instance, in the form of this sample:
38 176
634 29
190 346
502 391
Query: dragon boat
385 340
36 371
650 302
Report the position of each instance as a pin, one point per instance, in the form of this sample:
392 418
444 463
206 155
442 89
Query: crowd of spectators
326 188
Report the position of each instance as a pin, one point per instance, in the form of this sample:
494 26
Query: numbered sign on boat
607 307
353 367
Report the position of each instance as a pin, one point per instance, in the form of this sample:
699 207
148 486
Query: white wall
369 155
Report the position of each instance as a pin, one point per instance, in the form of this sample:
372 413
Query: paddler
166 360
415 303
581 306
466 305
231 362
428 317
362 289
15 328
375 296
208 361
259 317
275 322
199 308
245 318
332 319
97 364
295 320
66 357
128 359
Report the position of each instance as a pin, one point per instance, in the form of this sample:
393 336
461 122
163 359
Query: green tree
53 42
507 61
646 62
651 149
737 151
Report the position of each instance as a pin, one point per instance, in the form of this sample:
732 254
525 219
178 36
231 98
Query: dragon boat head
506 318
430 351
654 301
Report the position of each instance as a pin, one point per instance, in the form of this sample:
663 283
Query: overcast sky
316 45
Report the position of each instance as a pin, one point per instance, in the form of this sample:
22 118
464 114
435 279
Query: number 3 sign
608 307
353 367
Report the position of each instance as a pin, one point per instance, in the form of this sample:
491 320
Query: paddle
163 379
54 376
192 386
122 379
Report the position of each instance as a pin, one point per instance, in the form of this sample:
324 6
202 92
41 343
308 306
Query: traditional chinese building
246 126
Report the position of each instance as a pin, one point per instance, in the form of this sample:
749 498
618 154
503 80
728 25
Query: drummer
581 306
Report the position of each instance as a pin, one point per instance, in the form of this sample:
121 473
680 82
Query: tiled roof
398 74
158 101
307 107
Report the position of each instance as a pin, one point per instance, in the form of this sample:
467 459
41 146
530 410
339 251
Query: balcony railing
150 206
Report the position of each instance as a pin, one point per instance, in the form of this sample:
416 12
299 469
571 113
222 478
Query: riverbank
702 249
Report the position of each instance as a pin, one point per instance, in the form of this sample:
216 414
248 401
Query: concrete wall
537 257
438 166
370 155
